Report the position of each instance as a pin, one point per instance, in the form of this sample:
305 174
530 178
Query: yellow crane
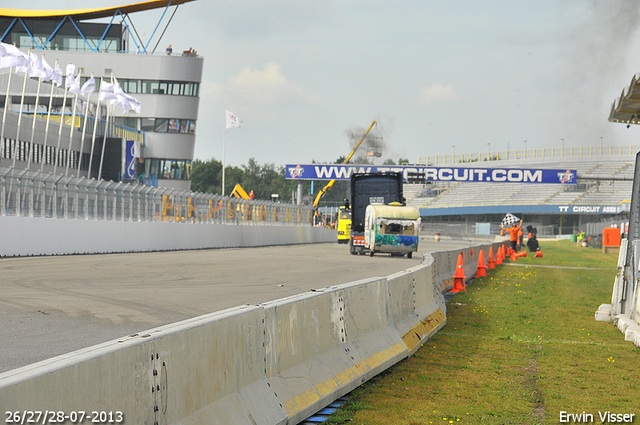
329 185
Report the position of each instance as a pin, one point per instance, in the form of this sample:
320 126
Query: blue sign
434 174
130 160
528 209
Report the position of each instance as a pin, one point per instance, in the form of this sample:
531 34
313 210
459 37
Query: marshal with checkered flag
509 220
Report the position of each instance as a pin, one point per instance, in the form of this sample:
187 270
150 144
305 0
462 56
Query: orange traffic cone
482 269
538 254
492 263
458 277
515 256
500 255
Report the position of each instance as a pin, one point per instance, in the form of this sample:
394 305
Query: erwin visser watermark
600 417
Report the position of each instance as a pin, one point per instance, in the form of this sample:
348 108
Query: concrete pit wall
274 363
28 236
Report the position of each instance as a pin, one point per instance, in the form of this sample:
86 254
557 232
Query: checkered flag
509 220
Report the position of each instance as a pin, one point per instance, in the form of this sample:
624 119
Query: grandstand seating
596 186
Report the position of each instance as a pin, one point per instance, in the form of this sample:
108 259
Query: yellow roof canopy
86 14
626 109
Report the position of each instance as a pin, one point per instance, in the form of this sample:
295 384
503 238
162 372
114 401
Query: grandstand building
166 85
602 191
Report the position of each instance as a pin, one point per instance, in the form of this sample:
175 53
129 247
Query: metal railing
529 154
36 194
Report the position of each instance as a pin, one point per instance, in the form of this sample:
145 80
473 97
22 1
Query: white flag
125 101
11 56
70 73
73 82
75 85
88 86
54 75
231 119
107 91
35 67
132 103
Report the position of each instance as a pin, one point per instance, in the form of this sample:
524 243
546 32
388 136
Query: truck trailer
366 189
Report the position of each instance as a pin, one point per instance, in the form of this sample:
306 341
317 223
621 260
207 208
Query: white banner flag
88 86
107 91
125 101
231 119
11 56
54 75
34 67
73 82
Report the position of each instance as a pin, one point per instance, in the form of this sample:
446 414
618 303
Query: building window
147 124
159 125
173 88
170 169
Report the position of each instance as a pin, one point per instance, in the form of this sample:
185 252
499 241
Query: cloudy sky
303 76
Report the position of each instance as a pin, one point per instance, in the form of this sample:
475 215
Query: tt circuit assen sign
434 174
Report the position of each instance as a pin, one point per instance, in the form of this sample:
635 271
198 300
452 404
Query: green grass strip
520 347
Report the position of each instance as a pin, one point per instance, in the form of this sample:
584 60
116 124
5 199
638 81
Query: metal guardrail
529 154
36 194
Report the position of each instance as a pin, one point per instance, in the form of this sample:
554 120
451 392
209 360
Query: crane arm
329 185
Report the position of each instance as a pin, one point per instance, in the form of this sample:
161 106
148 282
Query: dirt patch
531 383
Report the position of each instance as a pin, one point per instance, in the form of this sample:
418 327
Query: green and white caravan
392 228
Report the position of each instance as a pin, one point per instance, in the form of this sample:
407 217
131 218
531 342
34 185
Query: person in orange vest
520 237
513 235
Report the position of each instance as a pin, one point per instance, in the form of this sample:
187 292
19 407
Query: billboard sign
433 174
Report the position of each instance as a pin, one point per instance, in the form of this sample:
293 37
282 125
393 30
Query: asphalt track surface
54 305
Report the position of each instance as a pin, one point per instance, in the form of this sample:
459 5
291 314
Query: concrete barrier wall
624 310
26 236
275 363
322 345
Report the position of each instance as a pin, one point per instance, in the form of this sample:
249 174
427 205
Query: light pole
525 148
454 153
601 145
562 151
489 144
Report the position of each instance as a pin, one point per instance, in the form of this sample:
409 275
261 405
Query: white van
392 228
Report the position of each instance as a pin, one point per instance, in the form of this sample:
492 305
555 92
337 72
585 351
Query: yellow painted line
324 388
413 337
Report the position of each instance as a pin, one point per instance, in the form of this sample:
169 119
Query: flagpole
4 111
95 129
33 123
84 129
46 128
73 122
57 153
24 86
104 141
106 129
224 149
